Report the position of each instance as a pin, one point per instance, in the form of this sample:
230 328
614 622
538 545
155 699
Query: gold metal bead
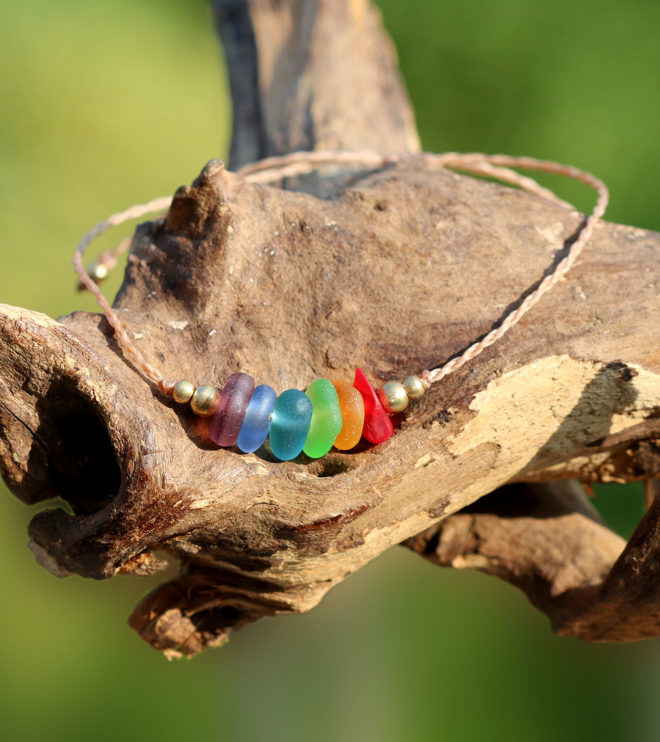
97 272
414 387
393 396
205 400
183 391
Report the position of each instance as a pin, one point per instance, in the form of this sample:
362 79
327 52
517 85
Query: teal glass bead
292 415
326 418
256 422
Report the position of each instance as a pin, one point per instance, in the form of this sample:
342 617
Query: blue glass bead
292 415
256 422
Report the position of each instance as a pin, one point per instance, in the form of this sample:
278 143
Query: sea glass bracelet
330 412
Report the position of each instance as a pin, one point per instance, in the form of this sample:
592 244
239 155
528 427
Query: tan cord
458 161
124 341
299 163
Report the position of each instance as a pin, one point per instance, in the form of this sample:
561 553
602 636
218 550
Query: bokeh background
107 103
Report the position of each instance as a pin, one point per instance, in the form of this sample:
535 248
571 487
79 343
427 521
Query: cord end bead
414 387
97 271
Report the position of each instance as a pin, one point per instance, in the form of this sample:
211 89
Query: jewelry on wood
329 412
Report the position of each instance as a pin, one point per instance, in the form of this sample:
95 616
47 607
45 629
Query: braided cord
125 343
299 163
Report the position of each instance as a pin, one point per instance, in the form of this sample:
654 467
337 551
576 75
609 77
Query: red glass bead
377 424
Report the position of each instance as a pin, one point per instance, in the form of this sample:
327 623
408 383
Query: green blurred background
109 103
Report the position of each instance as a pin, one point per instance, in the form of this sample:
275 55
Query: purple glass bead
228 416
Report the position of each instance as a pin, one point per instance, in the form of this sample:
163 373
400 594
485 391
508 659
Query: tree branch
312 74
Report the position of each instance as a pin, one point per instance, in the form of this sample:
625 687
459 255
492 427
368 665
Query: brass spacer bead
414 387
97 271
205 400
183 391
393 396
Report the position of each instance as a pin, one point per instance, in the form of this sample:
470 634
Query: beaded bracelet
329 413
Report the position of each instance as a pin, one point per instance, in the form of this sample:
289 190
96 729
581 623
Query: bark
399 270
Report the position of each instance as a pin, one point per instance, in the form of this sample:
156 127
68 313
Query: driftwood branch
312 75
397 272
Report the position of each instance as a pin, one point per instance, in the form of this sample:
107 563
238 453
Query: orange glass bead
351 405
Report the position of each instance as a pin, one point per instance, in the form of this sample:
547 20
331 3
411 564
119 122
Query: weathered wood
548 541
545 539
398 272
312 75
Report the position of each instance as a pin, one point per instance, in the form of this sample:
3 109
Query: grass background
109 103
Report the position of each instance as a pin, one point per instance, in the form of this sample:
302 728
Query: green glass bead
326 418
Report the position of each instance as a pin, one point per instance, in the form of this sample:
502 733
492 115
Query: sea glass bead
377 424
228 416
351 405
326 418
292 415
256 422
